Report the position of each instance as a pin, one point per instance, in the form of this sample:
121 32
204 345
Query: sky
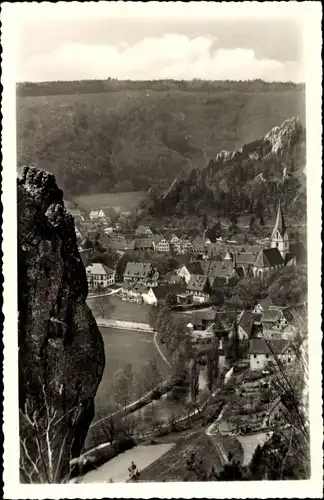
153 44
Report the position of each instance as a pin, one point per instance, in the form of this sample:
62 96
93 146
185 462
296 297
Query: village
188 292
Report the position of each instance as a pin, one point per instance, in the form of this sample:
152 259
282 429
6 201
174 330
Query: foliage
212 364
289 286
122 385
117 136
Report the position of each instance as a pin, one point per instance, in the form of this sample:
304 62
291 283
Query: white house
97 214
161 244
99 274
262 351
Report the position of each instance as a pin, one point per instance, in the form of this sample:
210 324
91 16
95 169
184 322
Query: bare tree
43 453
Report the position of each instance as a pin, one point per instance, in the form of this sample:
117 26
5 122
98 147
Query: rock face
257 174
61 354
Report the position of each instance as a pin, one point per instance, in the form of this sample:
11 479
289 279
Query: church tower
279 237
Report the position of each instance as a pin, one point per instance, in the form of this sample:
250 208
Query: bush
156 394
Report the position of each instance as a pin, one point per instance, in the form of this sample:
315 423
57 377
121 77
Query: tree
194 380
171 300
212 364
123 382
100 302
231 472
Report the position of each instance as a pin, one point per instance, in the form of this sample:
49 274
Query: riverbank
124 325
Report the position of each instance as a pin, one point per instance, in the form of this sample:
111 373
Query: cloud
170 56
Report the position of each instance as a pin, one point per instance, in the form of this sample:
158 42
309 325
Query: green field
121 202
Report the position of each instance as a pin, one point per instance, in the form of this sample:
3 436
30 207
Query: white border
309 13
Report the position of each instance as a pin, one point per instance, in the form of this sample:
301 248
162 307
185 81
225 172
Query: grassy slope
148 132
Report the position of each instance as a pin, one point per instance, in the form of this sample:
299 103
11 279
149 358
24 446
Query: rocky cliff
61 355
251 178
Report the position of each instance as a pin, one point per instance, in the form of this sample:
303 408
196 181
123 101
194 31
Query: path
159 349
116 469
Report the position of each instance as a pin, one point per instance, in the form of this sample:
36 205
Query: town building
145 244
141 272
262 351
96 214
188 270
161 244
99 274
199 287
143 230
158 295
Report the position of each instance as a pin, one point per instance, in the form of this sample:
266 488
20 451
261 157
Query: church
278 254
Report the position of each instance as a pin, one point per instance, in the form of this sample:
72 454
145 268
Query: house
203 318
199 246
99 274
263 304
262 351
96 214
158 295
189 270
176 246
174 239
273 319
133 292
186 246
145 244
141 272
249 324
215 251
219 272
143 230
161 244
176 279
199 287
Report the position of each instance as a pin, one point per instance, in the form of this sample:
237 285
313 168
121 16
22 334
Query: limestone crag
61 354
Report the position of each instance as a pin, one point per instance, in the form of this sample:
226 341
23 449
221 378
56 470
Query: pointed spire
280 222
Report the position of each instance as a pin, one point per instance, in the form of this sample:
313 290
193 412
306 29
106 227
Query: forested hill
124 136
249 180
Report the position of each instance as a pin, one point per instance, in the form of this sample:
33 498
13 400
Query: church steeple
280 222
279 237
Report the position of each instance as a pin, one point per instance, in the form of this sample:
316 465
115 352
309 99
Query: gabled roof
269 257
197 283
142 229
98 268
138 269
271 315
144 242
245 258
263 346
194 267
217 269
162 291
280 223
174 278
247 320
265 303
